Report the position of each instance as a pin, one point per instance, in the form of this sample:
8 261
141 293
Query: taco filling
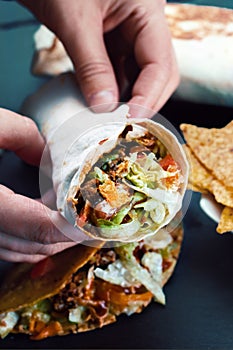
116 280
134 188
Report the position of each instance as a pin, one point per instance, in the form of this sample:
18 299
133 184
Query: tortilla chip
201 180
195 188
213 148
199 176
222 194
226 221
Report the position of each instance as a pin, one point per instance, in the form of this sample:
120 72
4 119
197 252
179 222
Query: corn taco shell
84 288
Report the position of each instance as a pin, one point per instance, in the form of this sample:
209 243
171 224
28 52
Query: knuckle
44 233
49 249
30 126
89 70
140 16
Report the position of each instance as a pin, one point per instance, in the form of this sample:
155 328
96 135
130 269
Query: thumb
93 68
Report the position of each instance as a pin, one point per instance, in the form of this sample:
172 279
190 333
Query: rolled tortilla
77 139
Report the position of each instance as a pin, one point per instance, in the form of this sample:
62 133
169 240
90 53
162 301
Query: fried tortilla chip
199 176
213 148
202 180
226 220
222 194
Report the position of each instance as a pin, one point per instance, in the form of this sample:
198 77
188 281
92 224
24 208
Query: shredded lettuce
8 321
157 209
109 228
117 220
153 261
76 314
117 274
100 174
147 172
151 202
140 273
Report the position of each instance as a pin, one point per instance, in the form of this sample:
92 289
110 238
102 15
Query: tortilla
79 295
77 138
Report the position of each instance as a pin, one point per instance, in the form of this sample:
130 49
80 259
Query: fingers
16 249
29 231
93 67
12 256
81 31
30 220
20 134
155 57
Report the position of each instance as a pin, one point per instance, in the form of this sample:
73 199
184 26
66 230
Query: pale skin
28 229
111 40
120 49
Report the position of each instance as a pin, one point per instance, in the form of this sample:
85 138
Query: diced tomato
82 219
50 330
42 267
168 163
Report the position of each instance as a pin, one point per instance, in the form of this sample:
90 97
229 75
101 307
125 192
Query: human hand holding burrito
77 139
28 229
112 43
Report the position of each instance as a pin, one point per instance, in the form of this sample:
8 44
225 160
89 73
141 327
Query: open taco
84 288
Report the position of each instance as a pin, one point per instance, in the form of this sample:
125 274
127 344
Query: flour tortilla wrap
84 288
117 218
77 138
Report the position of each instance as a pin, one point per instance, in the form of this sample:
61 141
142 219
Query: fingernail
138 108
102 101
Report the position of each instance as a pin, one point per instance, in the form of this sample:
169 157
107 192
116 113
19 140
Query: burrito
84 288
116 178
133 189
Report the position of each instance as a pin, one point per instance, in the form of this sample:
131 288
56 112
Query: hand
115 45
28 229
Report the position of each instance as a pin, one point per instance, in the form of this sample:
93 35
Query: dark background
199 309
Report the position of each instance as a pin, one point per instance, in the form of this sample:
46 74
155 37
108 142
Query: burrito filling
135 187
